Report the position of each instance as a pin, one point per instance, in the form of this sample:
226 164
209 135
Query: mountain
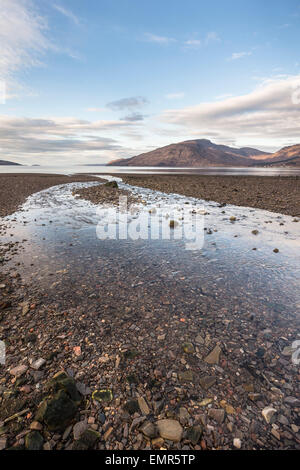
193 153
4 162
286 156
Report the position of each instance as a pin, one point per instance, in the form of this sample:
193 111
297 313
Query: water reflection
237 269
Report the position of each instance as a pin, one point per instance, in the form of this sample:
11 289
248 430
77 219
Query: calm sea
68 170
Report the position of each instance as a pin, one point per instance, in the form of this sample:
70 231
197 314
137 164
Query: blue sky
88 82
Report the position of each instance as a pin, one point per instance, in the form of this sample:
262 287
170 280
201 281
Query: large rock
57 412
170 429
61 381
87 440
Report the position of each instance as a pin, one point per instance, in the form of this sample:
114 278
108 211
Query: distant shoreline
275 194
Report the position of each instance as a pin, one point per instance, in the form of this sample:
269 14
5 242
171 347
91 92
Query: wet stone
34 441
207 382
170 429
214 355
194 433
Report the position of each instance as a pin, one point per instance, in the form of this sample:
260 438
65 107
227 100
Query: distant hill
193 153
204 153
289 156
4 162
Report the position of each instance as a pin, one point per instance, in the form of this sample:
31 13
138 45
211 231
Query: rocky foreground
115 376
126 370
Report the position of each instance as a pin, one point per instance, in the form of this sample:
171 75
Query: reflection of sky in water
64 248
70 170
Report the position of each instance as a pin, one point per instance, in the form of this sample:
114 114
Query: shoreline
15 188
275 194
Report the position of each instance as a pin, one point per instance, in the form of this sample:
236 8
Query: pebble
170 429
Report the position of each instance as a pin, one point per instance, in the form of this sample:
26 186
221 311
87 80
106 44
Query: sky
85 82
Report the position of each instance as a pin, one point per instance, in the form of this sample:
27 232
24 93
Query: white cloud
239 55
133 102
95 110
193 43
175 96
67 13
267 114
212 36
158 39
22 36
27 139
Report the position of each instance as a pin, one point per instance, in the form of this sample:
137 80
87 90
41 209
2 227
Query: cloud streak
67 13
127 103
22 37
268 113
24 138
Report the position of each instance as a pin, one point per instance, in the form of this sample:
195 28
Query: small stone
108 433
275 434
105 395
170 429
194 433
184 415
217 414
19 370
295 428
268 413
25 309
132 406
186 376
214 355
36 426
143 406
188 348
3 443
293 401
148 429
87 440
199 339
276 250
34 441
207 381
78 429
237 443
157 443
38 364
205 402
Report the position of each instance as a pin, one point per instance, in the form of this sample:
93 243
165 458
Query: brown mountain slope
287 155
193 153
